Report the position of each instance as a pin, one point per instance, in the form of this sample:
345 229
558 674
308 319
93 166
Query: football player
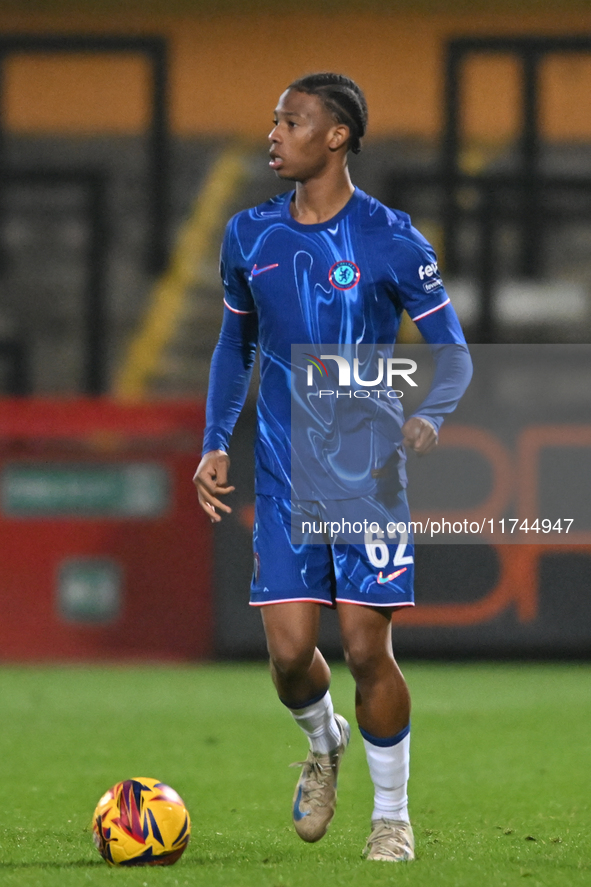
326 263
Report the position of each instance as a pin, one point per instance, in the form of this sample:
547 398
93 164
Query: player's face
304 138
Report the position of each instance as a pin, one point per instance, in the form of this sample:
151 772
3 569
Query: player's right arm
229 377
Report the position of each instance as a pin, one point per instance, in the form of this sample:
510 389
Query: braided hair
342 98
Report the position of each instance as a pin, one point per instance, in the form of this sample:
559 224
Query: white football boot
315 796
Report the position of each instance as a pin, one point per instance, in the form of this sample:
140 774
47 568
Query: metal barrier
94 302
13 354
496 198
531 51
155 50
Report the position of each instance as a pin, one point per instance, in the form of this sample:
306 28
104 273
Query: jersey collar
321 226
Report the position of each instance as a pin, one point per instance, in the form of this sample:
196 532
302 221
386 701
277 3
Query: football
141 822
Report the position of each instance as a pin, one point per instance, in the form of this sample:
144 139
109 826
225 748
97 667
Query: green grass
500 788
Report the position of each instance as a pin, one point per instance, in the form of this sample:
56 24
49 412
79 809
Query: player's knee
291 659
363 659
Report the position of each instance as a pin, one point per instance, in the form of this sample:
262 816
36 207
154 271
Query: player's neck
320 199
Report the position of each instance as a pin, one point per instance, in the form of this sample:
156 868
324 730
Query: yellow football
141 822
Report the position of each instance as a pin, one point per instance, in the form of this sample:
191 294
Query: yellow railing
194 244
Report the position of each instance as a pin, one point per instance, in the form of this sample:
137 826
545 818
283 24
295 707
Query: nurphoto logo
387 370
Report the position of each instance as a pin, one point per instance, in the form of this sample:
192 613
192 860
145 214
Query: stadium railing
498 198
158 138
94 300
14 360
531 51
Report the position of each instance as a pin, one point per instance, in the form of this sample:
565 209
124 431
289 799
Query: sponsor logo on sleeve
430 274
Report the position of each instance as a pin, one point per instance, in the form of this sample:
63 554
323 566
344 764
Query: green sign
137 489
89 590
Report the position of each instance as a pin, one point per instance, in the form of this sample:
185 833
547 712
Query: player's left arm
423 294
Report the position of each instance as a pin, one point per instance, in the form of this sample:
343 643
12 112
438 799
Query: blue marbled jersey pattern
343 281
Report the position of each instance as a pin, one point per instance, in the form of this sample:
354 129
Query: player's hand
211 480
419 435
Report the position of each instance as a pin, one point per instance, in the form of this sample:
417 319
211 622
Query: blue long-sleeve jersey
344 281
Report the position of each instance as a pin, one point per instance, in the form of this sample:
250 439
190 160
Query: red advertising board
104 552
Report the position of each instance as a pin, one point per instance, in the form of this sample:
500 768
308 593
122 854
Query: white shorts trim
291 600
342 600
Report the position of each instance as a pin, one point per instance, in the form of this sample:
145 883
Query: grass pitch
500 787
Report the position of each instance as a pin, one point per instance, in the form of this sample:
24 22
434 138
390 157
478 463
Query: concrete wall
228 69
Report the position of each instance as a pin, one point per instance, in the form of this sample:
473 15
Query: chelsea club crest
344 275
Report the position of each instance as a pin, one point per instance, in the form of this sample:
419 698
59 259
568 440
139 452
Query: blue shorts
376 574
